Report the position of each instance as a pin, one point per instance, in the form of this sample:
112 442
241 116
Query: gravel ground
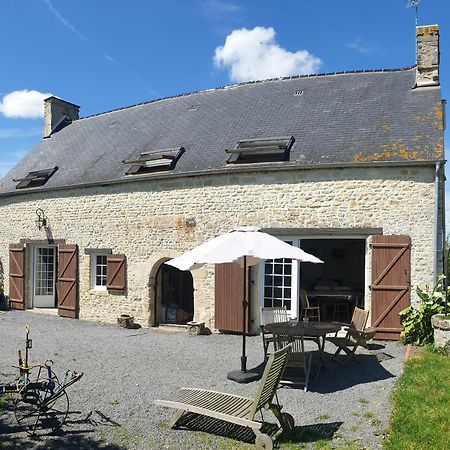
125 370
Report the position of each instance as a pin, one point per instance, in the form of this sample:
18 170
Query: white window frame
294 311
94 264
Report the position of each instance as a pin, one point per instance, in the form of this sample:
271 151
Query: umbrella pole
244 319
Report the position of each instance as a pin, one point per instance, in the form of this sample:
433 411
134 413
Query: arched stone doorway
174 296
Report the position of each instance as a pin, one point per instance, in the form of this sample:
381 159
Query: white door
44 277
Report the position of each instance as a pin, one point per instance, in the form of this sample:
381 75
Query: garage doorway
174 296
337 286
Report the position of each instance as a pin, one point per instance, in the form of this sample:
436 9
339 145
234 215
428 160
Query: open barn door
228 297
16 276
67 285
391 290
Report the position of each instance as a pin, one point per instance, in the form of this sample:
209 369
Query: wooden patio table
313 331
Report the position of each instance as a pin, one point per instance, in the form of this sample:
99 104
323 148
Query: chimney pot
427 55
56 113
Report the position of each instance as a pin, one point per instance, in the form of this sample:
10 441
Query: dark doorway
174 296
336 286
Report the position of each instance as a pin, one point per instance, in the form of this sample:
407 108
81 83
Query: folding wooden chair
271 315
299 361
311 312
357 335
236 409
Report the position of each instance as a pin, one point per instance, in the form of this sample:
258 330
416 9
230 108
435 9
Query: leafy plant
417 329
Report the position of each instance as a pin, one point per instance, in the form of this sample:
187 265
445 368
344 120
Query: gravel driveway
125 370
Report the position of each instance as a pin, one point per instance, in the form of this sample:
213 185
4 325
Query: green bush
417 329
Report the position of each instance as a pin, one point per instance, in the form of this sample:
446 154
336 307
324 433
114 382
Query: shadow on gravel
74 435
311 433
337 377
300 434
194 422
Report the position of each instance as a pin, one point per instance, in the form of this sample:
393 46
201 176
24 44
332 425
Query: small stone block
125 321
196 328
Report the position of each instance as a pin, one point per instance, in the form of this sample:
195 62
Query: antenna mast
415 4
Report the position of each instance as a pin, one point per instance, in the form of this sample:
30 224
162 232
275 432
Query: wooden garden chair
357 335
271 315
236 409
299 362
311 312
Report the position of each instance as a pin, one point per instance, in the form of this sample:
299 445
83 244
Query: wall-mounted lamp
41 221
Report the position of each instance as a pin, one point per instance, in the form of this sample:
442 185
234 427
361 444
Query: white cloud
363 47
255 55
216 8
26 104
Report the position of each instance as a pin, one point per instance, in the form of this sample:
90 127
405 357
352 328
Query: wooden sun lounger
237 409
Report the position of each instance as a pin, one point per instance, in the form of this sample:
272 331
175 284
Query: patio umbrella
246 246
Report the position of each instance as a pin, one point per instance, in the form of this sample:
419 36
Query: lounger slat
220 402
207 412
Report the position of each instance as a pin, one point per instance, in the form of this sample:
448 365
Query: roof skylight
261 150
154 161
35 179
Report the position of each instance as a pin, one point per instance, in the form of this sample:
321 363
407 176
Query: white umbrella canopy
248 242
247 246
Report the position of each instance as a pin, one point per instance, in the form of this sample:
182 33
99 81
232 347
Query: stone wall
153 221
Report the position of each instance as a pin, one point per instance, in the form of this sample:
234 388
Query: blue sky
105 54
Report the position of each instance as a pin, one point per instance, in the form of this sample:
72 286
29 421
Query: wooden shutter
390 283
16 276
67 284
116 280
228 297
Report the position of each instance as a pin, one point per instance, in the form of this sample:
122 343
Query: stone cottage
349 166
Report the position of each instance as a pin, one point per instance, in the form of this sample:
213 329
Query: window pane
277 283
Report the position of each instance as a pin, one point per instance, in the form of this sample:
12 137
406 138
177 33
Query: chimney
427 55
57 114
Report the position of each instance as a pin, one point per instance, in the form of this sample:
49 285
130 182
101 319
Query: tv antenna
414 4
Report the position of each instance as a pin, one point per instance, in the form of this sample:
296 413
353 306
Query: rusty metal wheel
263 442
41 406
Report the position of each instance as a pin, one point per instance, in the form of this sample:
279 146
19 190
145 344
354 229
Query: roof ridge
245 83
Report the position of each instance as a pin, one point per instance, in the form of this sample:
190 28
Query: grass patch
323 417
363 401
368 414
119 435
421 404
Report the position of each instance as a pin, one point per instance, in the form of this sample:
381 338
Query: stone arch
198 276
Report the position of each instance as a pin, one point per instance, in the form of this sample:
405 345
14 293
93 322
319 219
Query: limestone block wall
151 221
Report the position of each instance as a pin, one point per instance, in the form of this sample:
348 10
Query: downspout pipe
439 226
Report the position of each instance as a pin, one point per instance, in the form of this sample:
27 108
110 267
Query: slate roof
357 117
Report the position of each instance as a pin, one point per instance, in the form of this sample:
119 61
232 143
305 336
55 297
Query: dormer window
35 179
154 161
261 150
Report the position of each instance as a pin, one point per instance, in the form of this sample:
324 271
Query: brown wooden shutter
16 276
228 297
67 285
116 280
390 283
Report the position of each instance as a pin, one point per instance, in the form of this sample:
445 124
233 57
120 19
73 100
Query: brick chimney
427 55
57 114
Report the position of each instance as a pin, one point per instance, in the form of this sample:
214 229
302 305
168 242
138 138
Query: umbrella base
250 375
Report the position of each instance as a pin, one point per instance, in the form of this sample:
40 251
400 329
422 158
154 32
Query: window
154 161
99 271
35 179
280 283
261 150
